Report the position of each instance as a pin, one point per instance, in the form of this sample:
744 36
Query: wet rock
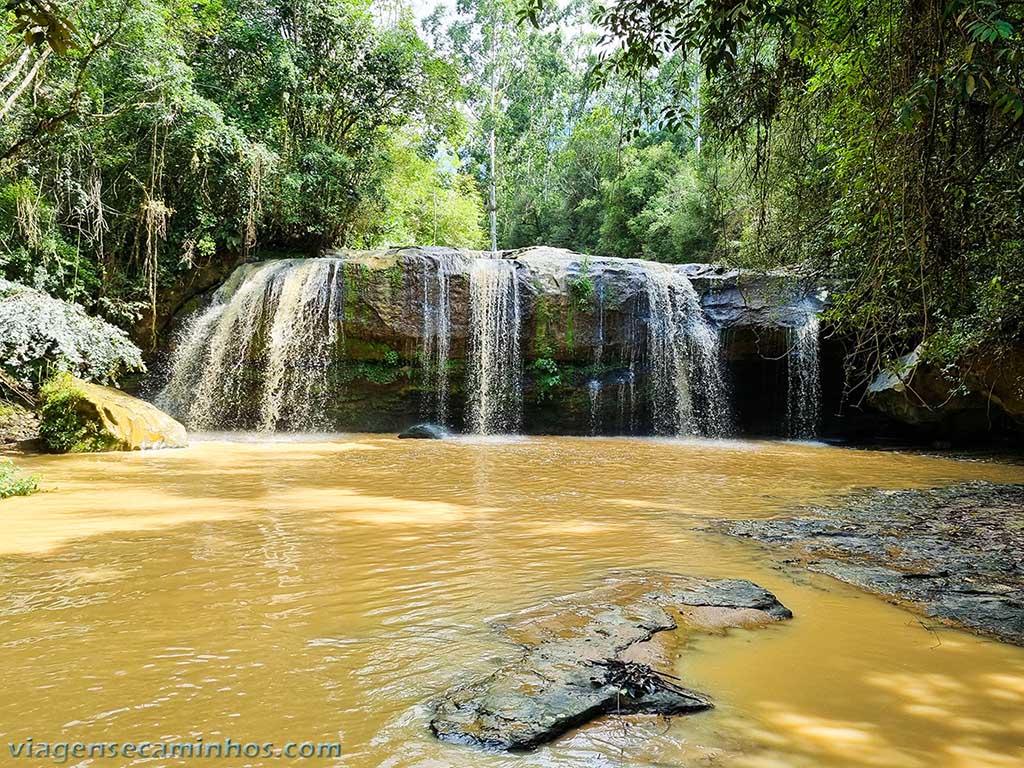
79 417
424 432
581 650
953 553
917 394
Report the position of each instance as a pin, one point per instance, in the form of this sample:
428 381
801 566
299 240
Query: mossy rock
78 417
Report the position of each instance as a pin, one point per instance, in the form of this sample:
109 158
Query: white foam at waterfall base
688 394
495 358
803 367
261 356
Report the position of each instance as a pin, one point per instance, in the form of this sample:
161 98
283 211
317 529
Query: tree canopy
147 146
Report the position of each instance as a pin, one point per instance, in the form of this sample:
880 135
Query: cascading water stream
260 357
268 353
303 336
495 357
803 365
688 395
437 327
594 395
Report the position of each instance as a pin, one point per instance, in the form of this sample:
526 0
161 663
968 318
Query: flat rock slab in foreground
956 553
564 678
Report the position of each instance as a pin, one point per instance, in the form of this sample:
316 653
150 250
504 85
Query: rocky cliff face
984 394
375 340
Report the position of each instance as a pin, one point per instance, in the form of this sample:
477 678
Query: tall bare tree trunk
492 202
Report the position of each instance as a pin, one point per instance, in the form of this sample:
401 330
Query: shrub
39 332
65 426
14 484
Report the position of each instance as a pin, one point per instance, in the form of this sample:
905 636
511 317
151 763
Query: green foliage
65 426
423 201
880 147
546 377
581 288
177 137
373 362
12 483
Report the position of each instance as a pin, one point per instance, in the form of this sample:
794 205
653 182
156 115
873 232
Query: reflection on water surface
325 588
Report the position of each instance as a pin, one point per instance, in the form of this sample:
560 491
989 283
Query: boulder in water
598 652
79 417
424 432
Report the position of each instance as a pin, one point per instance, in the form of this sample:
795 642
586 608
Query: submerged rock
78 417
597 652
954 553
424 432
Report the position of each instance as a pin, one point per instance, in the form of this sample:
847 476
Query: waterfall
495 359
594 394
803 413
437 326
688 395
261 356
303 337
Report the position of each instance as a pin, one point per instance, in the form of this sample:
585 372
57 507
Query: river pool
324 589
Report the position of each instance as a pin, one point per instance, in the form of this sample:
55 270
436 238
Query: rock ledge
955 553
572 644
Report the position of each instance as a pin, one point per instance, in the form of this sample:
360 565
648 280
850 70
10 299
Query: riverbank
955 553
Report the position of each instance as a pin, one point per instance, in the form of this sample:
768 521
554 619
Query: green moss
12 483
542 346
394 275
65 425
361 349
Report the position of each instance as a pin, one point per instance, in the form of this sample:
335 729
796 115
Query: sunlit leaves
41 22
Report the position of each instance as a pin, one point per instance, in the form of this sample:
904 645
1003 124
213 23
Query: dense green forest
877 146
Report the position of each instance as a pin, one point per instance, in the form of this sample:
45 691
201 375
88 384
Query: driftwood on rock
598 652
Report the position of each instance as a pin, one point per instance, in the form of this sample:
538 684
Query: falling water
803 368
687 389
495 360
303 336
261 357
437 325
594 393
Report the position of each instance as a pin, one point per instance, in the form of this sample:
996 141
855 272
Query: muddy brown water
325 589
